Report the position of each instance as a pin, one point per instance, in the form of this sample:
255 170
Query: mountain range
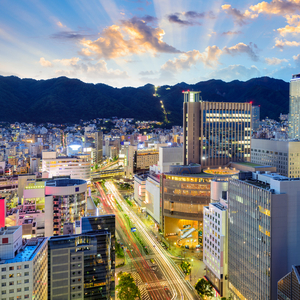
65 100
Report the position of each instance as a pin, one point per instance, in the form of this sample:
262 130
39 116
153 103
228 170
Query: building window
3 276
11 268
3 284
18 290
4 240
19 267
26 281
11 275
11 283
26 274
26 288
19 274
19 282
11 291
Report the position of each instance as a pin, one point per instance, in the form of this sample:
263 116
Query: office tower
284 155
263 234
289 286
215 246
255 117
23 265
99 146
294 118
107 223
215 133
80 266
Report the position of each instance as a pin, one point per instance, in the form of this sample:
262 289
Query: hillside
64 100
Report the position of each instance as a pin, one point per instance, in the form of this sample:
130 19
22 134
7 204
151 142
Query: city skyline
160 42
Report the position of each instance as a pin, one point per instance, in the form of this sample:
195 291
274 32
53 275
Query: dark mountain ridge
65 100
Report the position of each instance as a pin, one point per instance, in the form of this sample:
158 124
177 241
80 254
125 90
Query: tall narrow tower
294 119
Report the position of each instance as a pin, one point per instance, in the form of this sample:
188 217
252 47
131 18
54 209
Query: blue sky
134 42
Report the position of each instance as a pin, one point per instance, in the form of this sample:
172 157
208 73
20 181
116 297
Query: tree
127 289
186 267
204 288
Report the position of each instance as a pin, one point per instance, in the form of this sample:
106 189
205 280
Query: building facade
215 133
99 146
289 285
282 154
23 265
255 117
294 117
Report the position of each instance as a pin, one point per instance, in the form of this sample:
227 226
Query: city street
159 276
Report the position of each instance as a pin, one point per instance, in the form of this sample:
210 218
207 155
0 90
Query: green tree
127 289
204 288
186 267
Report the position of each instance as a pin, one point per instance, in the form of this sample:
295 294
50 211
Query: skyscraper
263 234
255 117
215 133
294 119
99 146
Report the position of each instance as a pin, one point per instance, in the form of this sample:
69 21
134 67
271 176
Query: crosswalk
141 286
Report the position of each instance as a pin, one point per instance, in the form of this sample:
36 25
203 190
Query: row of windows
13 268
12 275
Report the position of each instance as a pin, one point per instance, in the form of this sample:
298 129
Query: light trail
174 275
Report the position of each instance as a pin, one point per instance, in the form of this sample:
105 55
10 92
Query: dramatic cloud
186 60
242 48
68 61
133 36
239 17
189 18
231 32
45 63
275 61
277 7
234 72
281 44
289 29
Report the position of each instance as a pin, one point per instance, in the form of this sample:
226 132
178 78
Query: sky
162 42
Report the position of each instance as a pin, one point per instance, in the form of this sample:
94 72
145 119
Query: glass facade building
79 266
289 285
294 119
249 240
107 223
215 133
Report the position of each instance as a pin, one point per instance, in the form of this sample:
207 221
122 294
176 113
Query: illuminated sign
75 147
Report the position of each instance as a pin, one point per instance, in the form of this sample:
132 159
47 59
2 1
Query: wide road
162 281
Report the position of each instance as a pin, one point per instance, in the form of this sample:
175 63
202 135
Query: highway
162 280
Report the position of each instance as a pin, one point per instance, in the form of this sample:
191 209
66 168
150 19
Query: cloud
60 24
231 32
234 72
45 63
297 59
147 73
74 35
189 17
275 61
68 61
281 44
239 17
133 36
289 29
186 60
242 48
90 70
276 7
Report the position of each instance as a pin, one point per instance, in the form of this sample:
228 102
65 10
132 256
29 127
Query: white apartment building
215 246
23 265
282 154
77 167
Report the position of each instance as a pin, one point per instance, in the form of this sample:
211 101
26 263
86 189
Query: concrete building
294 115
140 188
263 235
215 245
215 133
23 265
77 167
169 156
282 154
99 146
289 285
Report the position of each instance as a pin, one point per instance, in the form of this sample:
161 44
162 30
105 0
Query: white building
215 245
77 167
169 156
24 266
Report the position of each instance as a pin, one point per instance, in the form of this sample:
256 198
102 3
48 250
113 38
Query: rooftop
27 253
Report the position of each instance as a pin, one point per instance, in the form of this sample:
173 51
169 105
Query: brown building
215 133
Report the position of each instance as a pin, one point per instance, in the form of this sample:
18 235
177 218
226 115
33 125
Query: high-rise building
80 266
289 285
255 117
294 115
23 265
99 146
263 234
215 133
107 223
